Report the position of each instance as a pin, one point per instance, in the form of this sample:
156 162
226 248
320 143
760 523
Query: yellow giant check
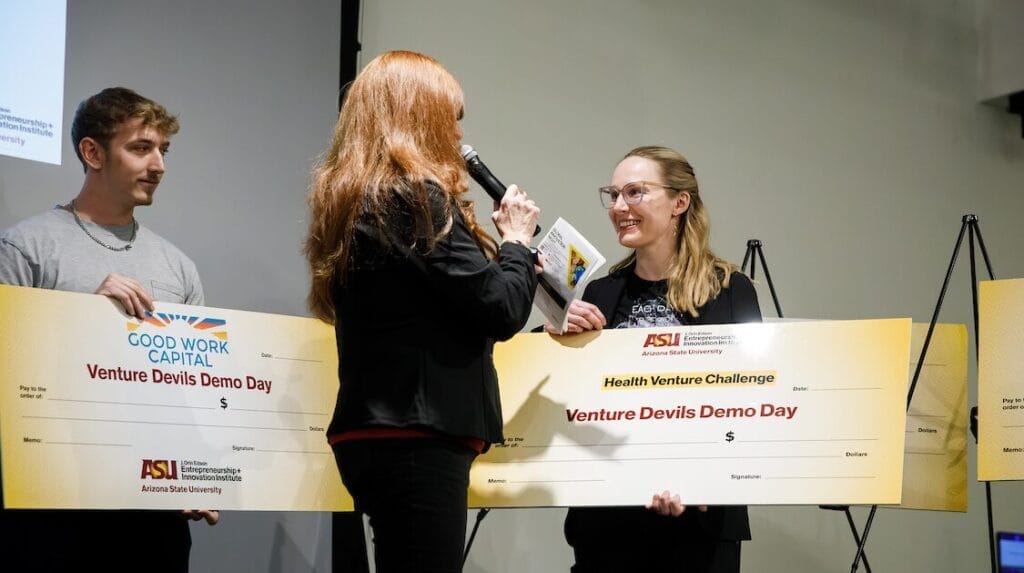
935 462
193 407
1001 380
783 413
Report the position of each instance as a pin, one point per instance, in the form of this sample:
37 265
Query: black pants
58 541
414 492
683 557
610 540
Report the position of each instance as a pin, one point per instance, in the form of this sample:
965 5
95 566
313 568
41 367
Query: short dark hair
100 116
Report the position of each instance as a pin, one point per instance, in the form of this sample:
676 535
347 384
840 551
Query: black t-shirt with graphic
645 304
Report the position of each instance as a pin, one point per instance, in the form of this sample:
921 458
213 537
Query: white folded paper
570 261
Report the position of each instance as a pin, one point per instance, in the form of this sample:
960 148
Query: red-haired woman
418 293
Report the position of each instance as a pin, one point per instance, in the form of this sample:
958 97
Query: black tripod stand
480 515
754 248
753 254
970 223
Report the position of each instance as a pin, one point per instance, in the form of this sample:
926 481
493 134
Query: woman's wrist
516 238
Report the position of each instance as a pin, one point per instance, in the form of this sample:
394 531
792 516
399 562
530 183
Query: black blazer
415 330
738 303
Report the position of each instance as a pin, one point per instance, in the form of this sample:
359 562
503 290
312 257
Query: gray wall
845 135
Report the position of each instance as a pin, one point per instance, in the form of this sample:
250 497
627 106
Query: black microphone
483 176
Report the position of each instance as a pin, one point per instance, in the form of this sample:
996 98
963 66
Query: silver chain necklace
135 231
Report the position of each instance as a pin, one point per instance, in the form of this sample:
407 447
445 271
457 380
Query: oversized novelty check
1001 380
192 408
783 413
935 457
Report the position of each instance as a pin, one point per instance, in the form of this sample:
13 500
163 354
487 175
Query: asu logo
666 339
159 469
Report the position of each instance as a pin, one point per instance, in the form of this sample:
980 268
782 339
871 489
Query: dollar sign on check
224 404
728 435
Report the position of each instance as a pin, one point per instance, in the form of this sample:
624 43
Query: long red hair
397 130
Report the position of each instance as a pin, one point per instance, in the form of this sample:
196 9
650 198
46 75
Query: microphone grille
467 152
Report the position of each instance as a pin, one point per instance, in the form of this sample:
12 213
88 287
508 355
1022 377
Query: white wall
844 135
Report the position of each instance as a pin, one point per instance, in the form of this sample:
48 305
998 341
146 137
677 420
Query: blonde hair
396 134
695 275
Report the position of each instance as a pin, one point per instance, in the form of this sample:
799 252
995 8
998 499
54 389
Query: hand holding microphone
497 191
516 216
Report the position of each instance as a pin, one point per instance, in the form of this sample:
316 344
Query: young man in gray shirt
94 244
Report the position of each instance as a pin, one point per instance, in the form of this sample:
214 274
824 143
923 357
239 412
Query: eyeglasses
631 193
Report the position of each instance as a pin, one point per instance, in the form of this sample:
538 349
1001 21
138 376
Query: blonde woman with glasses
671 278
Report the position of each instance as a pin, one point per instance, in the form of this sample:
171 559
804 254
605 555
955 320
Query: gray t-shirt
51 251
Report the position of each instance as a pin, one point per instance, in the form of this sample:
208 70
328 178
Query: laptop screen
1011 552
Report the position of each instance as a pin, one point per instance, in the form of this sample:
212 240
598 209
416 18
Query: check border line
117 403
150 422
669 459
